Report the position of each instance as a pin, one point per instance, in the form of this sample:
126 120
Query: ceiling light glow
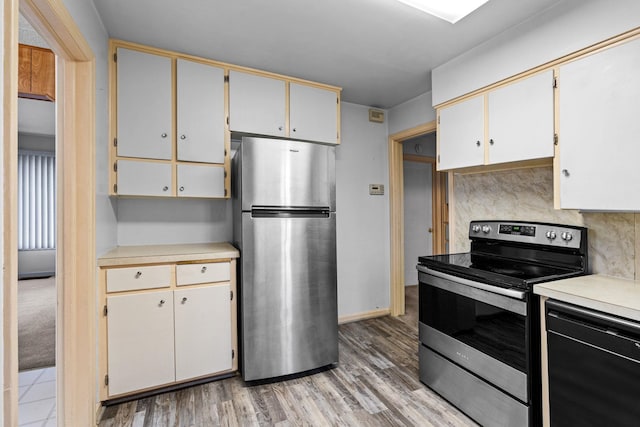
449 10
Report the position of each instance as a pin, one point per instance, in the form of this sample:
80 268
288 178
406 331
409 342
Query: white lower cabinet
199 350
140 336
200 181
166 323
143 178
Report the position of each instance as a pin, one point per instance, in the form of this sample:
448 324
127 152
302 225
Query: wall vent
376 116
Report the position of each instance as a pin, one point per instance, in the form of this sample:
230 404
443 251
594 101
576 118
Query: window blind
36 200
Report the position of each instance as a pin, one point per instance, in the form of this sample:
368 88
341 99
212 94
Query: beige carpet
36 323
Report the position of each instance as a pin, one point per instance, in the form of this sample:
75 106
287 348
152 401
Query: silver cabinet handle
491 141
294 129
279 127
477 143
204 268
565 172
162 302
138 274
164 135
165 188
184 299
181 188
183 136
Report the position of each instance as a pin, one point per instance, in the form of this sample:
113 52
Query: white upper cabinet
256 104
599 132
144 178
144 105
521 120
313 113
461 134
509 124
200 112
200 181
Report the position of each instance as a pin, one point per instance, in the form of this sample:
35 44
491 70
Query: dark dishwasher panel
594 367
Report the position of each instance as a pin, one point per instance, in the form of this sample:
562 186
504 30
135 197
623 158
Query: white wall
568 27
362 220
412 113
87 19
166 221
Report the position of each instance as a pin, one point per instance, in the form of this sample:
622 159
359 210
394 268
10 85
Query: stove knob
566 236
475 228
551 235
486 229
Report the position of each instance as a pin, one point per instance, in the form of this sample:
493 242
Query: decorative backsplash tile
527 194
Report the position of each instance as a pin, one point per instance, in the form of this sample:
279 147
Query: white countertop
123 255
612 295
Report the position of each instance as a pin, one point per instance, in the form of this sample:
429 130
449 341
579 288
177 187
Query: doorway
75 224
397 208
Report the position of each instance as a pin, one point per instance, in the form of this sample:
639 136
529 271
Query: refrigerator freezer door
283 173
289 316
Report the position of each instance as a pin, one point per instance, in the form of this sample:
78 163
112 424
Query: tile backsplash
527 195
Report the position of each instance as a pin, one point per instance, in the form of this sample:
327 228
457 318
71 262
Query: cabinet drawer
129 279
191 274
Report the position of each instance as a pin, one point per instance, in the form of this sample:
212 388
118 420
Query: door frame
75 228
396 217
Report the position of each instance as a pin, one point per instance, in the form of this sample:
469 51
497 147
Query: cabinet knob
181 188
138 274
294 129
184 299
183 136
477 143
204 268
491 141
565 172
162 302
164 135
279 127
165 188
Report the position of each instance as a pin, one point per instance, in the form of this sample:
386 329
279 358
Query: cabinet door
256 104
200 181
144 178
201 116
461 134
599 130
140 341
203 331
521 120
313 113
144 105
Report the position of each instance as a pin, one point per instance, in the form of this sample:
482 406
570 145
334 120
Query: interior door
418 216
289 308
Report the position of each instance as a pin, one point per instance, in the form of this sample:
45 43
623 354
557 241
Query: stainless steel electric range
479 321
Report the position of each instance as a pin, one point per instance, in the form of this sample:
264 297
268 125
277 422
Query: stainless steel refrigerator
285 228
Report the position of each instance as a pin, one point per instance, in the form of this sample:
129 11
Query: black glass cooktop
498 271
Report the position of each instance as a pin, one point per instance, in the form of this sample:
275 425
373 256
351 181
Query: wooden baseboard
364 315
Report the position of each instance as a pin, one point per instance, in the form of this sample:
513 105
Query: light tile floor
37 398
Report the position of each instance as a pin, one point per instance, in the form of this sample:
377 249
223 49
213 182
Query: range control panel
535 233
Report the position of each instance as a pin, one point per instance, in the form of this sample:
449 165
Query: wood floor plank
376 383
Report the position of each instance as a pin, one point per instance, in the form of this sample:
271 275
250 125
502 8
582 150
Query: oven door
479 327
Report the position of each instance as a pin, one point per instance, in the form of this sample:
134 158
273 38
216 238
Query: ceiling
381 52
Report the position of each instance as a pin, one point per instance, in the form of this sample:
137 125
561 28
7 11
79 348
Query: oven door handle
511 293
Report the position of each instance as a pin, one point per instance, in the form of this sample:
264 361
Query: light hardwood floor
375 384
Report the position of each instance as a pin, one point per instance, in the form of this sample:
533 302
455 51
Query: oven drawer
482 402
502 375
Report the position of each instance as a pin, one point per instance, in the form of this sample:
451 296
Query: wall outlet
376 189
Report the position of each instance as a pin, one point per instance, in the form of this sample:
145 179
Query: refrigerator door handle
290 213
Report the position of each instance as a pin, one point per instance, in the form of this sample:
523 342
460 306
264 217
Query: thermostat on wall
376 189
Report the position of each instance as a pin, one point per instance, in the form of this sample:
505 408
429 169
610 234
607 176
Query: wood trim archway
396 205
75 156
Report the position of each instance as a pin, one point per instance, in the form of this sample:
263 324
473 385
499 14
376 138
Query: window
36 200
